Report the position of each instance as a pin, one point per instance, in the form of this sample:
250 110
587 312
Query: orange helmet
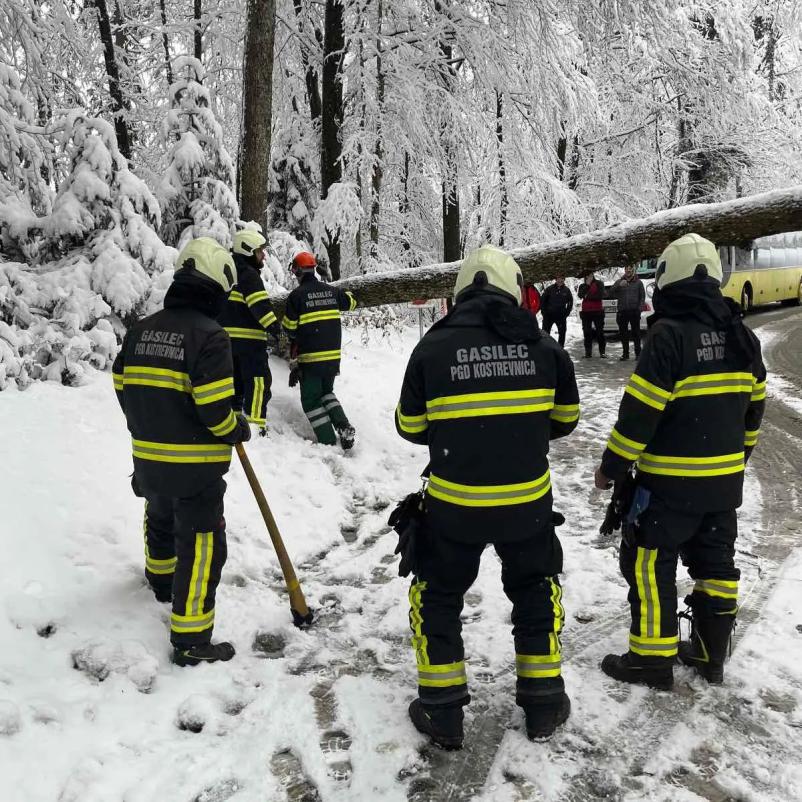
304 261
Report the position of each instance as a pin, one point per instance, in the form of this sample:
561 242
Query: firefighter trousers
252 382
445 570
185 547
321 405
706 544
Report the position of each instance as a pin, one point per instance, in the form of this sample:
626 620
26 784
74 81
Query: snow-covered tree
196 192
292 194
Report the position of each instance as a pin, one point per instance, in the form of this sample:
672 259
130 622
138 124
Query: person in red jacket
592 315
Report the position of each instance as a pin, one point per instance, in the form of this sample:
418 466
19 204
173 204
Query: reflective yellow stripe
161 567
713 384
213 391
181 452
758 391
648 393
662 465
721 588
199 580
751 437
162 378
314 317
419 640
413 424
319 356
445 675
246 334
117 378
268 320
654 647
225 426
236 296
565 413
488 495
646 583
472 405
256 401
191 623
289 324
623 446
255 297
538 666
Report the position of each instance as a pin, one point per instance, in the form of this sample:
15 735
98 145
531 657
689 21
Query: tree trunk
311 78
502 172
450 187
113 73
378 153
332 114
257 96
731 222
168 67
197 29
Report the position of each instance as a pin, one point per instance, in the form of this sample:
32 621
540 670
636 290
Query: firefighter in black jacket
688 421
173 378
247 318
486 391
312 322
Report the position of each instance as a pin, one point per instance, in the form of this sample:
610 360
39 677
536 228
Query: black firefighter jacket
691 411
173 378
312 321
248 313
487 392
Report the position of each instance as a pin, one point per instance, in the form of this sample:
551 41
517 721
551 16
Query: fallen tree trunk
732 222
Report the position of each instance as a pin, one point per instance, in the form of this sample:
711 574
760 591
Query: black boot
710 641
656 672
442 723
203 653
347 437
543 717
162 591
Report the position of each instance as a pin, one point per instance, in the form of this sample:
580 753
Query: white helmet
248 240
490 268
683 258
208 258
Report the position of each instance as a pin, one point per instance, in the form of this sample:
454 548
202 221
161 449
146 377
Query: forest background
381 134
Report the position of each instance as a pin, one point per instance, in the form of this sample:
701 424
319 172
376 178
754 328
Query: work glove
295 372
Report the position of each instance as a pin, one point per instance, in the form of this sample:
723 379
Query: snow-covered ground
92 710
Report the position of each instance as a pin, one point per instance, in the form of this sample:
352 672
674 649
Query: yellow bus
769 271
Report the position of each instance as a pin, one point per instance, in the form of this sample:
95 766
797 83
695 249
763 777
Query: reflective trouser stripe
256 402
419 641
319 356
182 624
663 465
647 593
446 675
199 580
623 446
538 666
723 588
318 417
488 495
654 647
